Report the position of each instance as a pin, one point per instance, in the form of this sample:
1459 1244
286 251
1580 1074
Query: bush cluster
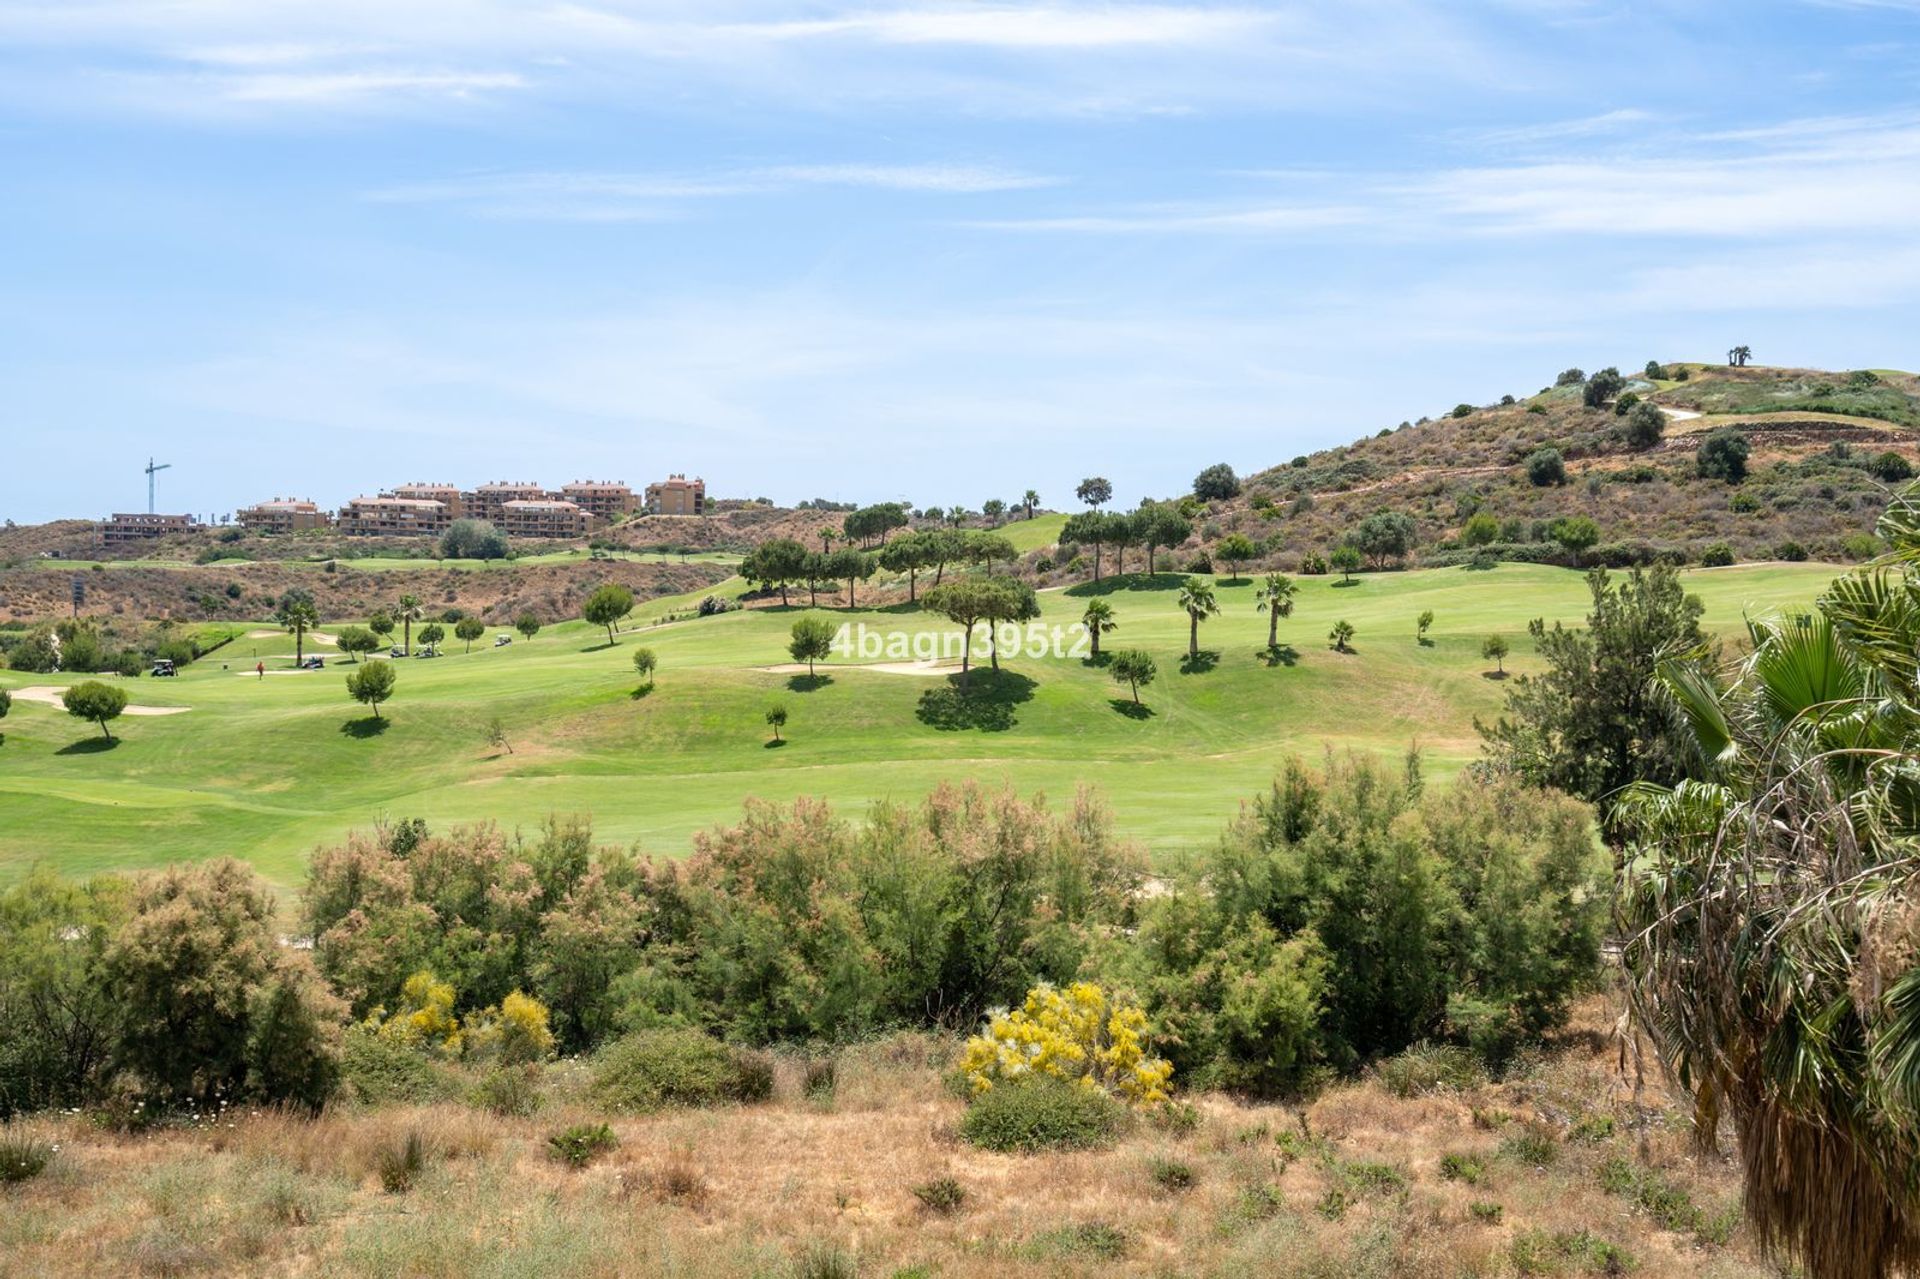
1343 917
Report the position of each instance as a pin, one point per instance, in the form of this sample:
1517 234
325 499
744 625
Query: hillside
1811 489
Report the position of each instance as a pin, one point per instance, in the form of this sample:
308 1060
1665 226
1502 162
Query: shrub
400 1164
1173 1175
509 1091
671 1066
1460 1167
1429 1068
579 1145
1536 1252
1791 551
1891 467
213 1005
942 1195
1546 468
1041 1113
1717 555
1723 456
1860 546
22 1158
1462 410
517 1032
1486 1212
822 1078
825 1261
376 1071
1532 1145
1093 1238
1076 1035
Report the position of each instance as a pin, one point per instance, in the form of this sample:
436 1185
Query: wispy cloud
1013 59
1057 26
618 197
1560 130
1814 177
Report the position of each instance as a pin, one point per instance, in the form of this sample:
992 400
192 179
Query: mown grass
267 768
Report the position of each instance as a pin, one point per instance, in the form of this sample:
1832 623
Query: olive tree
469 629
645 663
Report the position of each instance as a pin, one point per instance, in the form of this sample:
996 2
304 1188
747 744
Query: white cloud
953 179
1068 57
347 86
1810 177
626 197
1030 26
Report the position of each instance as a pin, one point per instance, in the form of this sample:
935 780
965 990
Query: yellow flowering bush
425 1018
516 1032
1077 1034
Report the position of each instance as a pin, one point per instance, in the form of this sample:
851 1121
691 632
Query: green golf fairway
265 768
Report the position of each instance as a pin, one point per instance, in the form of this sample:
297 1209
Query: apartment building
136 527
394 517
448 495
489 500
282 515
602 499
543 517
677 495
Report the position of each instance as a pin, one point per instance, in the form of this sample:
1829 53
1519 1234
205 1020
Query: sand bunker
313 637
47 695
885 668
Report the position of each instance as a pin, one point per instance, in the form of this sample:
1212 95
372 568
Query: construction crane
151 468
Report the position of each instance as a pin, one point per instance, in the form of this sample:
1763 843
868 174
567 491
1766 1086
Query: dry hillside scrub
1555 1171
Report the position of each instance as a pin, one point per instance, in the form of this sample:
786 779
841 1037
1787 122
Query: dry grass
1350 1185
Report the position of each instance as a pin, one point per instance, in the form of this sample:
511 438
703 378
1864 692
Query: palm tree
296 612
1196 597
1030 499
1098 619
1275 599
1763 957
408 611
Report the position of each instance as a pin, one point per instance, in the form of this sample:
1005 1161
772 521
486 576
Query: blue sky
872 249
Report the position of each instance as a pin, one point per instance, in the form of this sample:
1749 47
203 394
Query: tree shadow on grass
1199 663
1350 582
987 705
601 647
808 683
644 690
1495 675
774 744
1280 655
1127 582
89 746
366 726
1104 660
1130 708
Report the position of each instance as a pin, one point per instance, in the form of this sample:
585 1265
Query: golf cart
501 641
428 651
396 651
313 662
163 666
